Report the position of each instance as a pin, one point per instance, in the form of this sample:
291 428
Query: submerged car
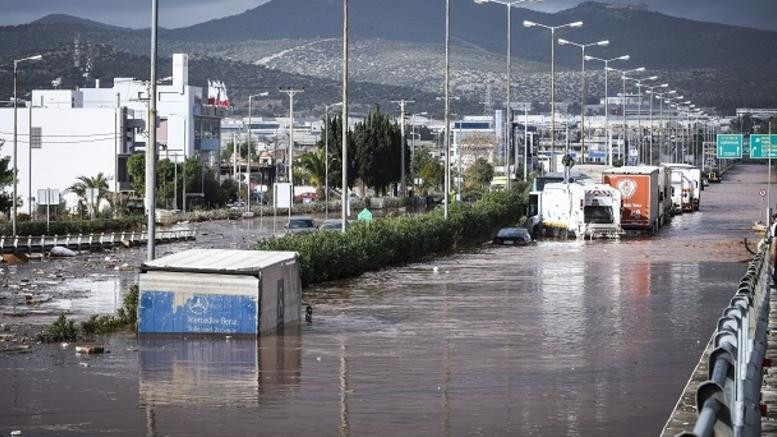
332 225
300 225
513 237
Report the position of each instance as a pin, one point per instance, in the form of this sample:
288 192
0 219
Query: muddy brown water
562 338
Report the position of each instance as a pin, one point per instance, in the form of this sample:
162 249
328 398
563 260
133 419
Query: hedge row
75 226
326 256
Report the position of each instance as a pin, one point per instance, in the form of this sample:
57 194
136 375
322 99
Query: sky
179 13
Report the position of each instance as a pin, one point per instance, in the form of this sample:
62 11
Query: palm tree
315 168
80 189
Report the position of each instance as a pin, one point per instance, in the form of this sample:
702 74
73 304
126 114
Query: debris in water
90 350
61 252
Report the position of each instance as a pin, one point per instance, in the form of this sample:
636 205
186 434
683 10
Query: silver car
300 225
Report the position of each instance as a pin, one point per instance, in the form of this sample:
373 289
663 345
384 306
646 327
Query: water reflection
217 373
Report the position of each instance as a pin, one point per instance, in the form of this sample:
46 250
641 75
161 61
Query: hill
656 40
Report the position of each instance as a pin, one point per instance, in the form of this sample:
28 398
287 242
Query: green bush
65 330
75 226
326 256
62 329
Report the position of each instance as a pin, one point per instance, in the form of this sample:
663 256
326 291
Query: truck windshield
598 214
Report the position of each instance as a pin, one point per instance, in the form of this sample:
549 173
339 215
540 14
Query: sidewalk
769 389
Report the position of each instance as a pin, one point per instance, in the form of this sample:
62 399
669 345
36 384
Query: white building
95 130
67 143
187 125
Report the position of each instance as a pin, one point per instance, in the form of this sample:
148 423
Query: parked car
332 225
513 237
300 225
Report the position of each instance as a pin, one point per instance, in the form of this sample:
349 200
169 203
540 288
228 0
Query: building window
36 138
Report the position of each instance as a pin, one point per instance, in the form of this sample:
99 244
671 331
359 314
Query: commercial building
66 134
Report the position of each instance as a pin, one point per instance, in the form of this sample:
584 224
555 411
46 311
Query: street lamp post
447 126
661 98
583 47
607 98
624 96
16 63
249 191
402 105
326 158
640 149
151 146
344 199
651 91
291 92
553 29
508 81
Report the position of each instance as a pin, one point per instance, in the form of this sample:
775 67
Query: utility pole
151 146
344 198
291 92
29 159
402 104
447 106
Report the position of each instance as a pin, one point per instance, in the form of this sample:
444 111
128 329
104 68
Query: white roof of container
219 260
641 169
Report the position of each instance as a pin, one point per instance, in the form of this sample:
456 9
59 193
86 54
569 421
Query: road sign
730 146
763 146
48 196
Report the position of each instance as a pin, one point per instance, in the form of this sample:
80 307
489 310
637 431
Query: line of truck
618 200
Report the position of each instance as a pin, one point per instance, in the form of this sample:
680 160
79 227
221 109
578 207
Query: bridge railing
728 402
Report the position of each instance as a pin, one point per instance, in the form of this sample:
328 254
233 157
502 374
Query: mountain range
397 49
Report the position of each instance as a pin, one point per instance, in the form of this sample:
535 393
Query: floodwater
562 338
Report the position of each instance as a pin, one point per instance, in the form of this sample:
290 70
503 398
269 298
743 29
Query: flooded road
562 338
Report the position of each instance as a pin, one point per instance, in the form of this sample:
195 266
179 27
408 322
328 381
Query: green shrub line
327 256
74 226
64 329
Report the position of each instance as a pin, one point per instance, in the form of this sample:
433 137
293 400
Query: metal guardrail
43 243
728 402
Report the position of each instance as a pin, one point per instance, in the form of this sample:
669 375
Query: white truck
665 207
581 210
682 192
693 174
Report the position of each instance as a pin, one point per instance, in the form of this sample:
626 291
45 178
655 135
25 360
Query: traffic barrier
728 402
43 244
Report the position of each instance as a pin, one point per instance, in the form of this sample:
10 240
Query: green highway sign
763 146
730 146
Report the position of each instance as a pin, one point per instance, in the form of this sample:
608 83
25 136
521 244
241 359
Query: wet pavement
562 338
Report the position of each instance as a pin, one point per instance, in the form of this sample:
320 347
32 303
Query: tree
334 132
420 158
314 167
479 175
136 169
432 174
379 151
82 187
6 179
